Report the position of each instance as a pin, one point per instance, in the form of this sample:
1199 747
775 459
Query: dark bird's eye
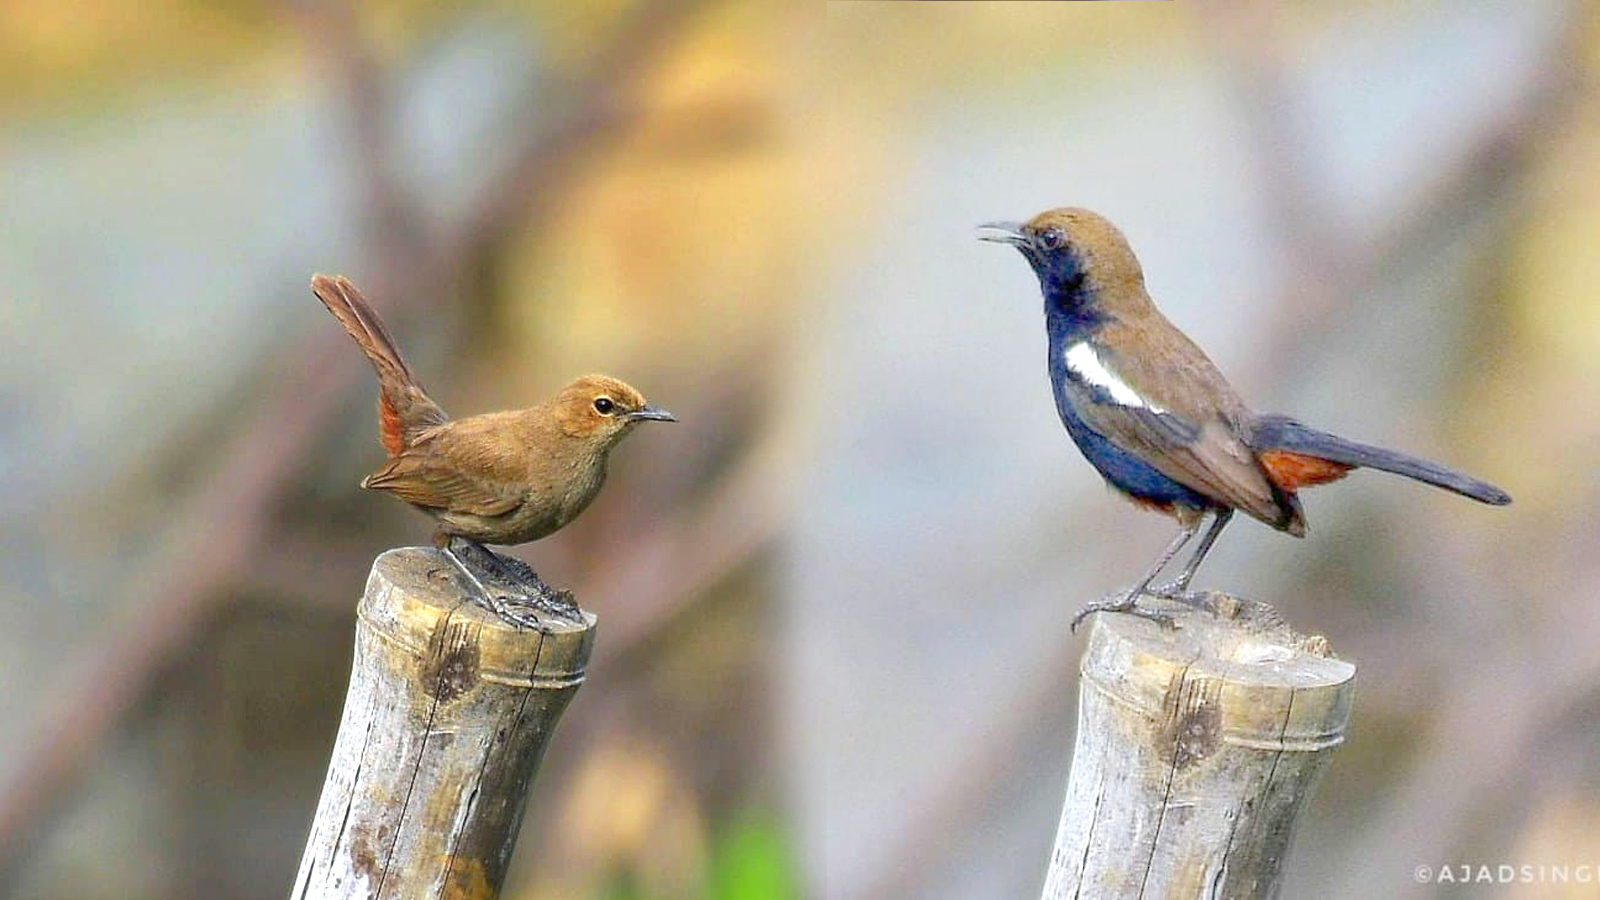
1053 238
604 406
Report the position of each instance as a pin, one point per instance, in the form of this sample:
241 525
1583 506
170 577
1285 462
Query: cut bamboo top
1256 685
413 601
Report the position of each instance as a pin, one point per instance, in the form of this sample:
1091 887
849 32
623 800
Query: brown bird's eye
604 406
1053 238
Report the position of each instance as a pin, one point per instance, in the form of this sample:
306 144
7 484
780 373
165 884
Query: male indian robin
1158 420
498 478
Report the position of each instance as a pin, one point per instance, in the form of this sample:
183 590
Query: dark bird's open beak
1003 233
651 414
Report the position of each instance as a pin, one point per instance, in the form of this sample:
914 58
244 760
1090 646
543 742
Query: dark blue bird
1152 413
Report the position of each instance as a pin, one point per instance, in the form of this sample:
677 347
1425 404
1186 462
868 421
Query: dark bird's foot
1122 602
1180 593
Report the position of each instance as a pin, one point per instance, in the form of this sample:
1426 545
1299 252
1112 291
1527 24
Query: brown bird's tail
403 407
1303 455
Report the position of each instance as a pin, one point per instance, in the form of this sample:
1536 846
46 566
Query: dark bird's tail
403 407
1282 434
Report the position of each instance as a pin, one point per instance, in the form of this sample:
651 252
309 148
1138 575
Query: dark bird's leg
1178 588
1125 601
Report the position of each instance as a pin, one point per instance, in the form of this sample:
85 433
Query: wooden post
448 714
1197 748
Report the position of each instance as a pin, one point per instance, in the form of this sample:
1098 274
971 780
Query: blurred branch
593 109
394 226
1248 42
207 537
215 528
1327 271
1541 693
689 554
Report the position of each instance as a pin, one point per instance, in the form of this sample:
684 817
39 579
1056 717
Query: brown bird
498 478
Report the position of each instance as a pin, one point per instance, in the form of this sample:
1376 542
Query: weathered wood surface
1197 748
447 716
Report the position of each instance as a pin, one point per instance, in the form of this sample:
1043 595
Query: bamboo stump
447 716
1197 748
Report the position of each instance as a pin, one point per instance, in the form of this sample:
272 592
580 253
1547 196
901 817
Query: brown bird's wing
449 469
1169 405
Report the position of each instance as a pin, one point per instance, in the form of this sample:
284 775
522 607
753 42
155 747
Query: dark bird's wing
459 479
1171 407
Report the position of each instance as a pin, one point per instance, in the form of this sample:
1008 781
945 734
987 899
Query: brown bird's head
1076 253
602 409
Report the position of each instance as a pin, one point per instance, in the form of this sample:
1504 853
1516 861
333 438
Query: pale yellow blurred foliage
1535 384
627 807
683 234
1565 831
897 56
61 54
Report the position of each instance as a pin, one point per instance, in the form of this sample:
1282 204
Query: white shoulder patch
1084 362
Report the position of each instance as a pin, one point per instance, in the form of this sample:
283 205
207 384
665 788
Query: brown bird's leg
533 593
1125 600
484 597
1178 588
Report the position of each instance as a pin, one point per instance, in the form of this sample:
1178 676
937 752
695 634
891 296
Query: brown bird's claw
510 588
533 609
504 608
558 605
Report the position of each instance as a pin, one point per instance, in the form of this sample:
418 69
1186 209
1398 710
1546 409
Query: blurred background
833 659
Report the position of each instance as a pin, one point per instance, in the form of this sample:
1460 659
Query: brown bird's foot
531 590
1123 602
535 611
548 603
509 588
505 608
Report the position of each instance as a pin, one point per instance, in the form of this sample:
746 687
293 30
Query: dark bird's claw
1127 602
1122 602
1201 600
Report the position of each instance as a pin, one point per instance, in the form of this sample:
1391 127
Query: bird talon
1172 590
1200 600
1122 603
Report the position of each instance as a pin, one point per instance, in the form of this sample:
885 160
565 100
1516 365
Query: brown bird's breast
560 479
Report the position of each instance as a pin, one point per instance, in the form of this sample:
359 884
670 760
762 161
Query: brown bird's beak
1003 233
651 414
